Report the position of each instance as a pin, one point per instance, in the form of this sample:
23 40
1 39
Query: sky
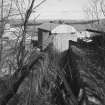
63 9
60 9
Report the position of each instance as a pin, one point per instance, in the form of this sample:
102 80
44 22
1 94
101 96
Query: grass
58 78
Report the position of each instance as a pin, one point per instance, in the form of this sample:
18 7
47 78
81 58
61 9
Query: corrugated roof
64 28
51 26
48 26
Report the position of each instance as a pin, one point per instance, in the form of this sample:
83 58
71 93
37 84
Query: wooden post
1 30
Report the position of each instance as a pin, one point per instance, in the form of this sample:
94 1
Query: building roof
57 28
77 27
48 26
63 28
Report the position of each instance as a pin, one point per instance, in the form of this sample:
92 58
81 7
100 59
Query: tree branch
17 79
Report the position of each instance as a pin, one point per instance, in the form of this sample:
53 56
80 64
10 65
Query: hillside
80 25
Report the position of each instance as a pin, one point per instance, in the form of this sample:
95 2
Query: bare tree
4 7
96 11
24 62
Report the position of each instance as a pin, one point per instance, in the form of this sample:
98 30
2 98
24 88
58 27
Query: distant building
88 34
84 35
57 34
11 32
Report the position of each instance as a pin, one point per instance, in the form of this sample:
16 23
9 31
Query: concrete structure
58 34
44 34
62 34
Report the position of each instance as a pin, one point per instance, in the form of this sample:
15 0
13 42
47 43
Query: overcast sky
63 9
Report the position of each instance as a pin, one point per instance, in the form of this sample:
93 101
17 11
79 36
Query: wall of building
43 38
40 38
61 41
